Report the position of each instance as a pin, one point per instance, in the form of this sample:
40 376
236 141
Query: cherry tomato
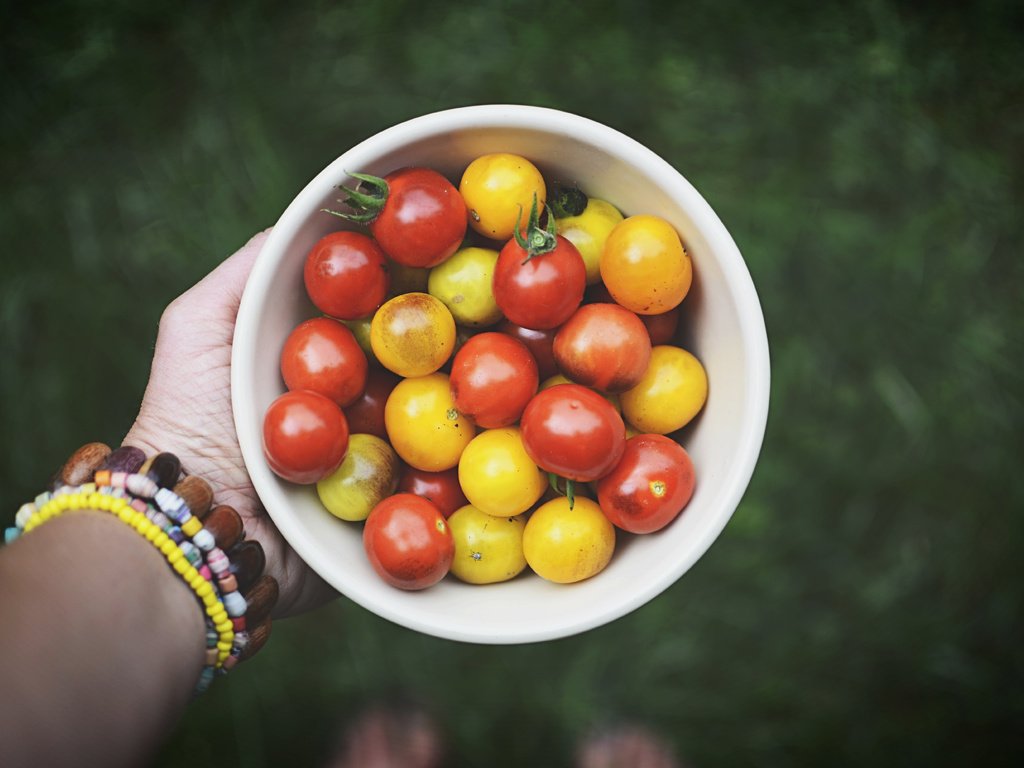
488 549
368 475
669 394
574 432
498 476
604 346
323 355
408 542
423 424
566 545
644 265
412 334
538 342
498 189
493 378
559 378
442 488
539 278
407 279
662 328
463 283
588 229
305 436
649 487
416 215
346 275
366 413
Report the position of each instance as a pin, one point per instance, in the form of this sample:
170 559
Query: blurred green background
864 606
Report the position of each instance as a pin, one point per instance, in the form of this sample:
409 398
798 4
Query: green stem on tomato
538 240
570 487
567 201
366 205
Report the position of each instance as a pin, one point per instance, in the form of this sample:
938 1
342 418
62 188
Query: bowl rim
508 116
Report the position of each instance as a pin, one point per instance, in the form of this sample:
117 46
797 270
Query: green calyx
538 240
567 201
570 487
366 200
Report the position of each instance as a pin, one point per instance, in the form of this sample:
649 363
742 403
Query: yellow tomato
424 426
368 474
499 189
566 545
412 334
497 475
672 391
588 232
463 283
644 265
488 549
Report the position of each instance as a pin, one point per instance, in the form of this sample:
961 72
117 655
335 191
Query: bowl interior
721 324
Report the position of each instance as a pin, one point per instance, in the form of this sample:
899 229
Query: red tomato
416 214
542 292
539 343
323 355
305 436
346 275
662 328
650 486
408 541
574 432
604 346
493 378
442 488
366 413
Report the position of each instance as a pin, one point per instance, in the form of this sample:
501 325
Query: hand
187 410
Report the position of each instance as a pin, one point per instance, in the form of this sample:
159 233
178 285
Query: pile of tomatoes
493 377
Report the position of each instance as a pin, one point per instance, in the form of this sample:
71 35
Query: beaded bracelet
137 492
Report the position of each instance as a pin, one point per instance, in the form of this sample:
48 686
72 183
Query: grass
863 606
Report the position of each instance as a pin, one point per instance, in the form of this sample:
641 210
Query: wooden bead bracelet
172 510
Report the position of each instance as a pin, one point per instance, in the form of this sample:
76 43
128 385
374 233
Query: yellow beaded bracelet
88 497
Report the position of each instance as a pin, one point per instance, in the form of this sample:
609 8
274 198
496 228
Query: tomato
645 266
368 475
407 279
538 342
498 189
346 275
574 432
604 346
559 378
416 215
442 488
539 278
408 542
662 328
305 436
463 283
493 378
649 487
423 424
321 354
366 413
412 334
488 549
360 328
586 223
498 476
566 545
671 392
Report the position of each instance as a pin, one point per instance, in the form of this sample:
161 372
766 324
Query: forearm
101 647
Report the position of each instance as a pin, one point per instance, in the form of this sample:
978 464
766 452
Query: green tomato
588 232
361 330
368 475
463 283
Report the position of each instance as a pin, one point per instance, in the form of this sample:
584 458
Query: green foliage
863 606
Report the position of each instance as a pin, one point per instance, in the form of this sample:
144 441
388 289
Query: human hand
186 410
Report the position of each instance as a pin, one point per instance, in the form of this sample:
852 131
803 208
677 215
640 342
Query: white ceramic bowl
722 324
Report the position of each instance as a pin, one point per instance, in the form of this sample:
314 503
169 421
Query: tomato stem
366 200
570 487
567 201
538 240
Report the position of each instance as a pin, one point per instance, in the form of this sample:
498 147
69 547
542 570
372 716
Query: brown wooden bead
164 470
247 563
83 463
261 599
258 637
226 526
127 458
197 493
